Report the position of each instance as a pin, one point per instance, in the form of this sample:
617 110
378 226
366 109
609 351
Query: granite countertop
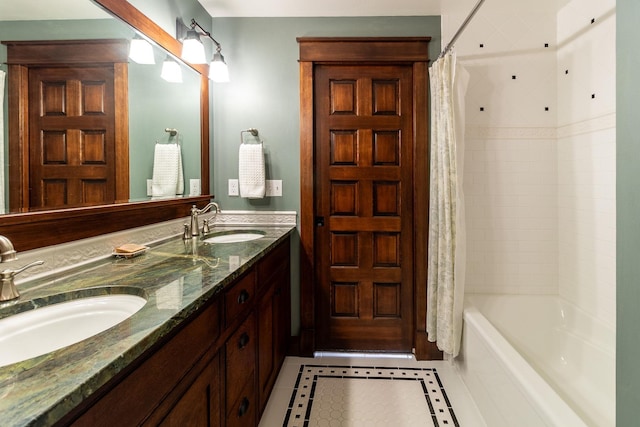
176 277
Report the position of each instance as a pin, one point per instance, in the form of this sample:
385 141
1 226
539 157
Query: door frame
376 50
24 55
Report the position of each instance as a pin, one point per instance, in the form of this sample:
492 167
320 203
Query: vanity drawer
240 354
242 412
240 297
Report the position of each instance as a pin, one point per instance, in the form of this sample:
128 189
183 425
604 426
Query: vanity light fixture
193 50
171 70
218 70
141 51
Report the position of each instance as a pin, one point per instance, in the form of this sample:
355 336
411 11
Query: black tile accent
546 45
453 417
546 108
426 396
513 77
481 108
593 20
481 45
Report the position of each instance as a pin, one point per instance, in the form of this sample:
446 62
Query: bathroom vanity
204 350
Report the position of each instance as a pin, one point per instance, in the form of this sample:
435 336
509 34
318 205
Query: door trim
329 50
23 55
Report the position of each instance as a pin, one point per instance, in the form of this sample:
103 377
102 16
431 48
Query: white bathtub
531 360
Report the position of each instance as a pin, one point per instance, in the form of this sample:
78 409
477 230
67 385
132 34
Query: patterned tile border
302 397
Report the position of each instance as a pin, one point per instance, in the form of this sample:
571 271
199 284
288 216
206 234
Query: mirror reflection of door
72 135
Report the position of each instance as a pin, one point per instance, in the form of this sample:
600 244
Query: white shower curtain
446 250
2 148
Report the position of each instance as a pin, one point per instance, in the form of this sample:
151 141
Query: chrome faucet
195 226
8 290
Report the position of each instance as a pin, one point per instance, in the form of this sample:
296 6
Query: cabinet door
199 406
274 320
267 316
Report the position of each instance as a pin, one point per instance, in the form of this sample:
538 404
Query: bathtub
533 360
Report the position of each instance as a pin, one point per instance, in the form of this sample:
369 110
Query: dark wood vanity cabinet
218 370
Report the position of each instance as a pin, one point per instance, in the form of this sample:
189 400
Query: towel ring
252 131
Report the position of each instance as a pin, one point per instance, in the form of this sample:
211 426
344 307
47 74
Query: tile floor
347 391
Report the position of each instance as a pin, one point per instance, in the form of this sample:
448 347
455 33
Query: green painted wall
173 105
628 214
262 54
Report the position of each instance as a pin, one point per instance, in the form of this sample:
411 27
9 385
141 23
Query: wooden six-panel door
364 207
71 137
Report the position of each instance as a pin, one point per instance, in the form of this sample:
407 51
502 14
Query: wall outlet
273 188
194 187
234 187
149 187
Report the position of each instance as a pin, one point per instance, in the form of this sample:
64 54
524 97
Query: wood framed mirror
32 230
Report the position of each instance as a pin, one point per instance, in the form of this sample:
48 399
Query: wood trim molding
18 78
46 52
121 101
359 49
204 135
315 50
307 226
424 350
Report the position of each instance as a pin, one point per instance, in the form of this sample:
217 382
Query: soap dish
130 254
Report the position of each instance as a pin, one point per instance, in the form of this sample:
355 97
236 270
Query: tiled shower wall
540 150
587 155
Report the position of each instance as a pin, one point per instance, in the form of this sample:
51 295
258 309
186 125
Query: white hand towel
251 171
168 177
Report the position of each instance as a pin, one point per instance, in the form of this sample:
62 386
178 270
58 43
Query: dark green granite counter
176 277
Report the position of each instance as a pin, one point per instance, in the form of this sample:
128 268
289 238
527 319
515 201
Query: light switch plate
149 187
273 188
234 187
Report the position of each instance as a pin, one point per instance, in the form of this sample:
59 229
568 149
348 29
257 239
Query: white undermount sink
44 329
234 236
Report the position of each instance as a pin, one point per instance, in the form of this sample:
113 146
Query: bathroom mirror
36 229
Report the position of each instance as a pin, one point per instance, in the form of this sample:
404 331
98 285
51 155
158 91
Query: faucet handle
205 227
9 273
8 289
